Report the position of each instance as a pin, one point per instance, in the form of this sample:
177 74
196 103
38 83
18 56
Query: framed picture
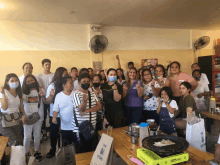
146 63
97 66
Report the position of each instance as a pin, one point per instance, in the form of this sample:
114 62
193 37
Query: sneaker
51 153
38 156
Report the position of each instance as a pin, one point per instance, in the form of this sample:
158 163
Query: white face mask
14 85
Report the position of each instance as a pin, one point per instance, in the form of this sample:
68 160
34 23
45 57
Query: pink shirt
176 81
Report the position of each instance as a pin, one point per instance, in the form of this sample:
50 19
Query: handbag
86 128
10 120
34 117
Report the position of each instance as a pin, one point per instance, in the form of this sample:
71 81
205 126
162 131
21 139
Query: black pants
150 115
83 145
115 119
46 111
54 133
133 114
67 137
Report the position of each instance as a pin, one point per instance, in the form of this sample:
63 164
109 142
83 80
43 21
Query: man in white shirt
130 65
74 74
195 66
44 79
27 70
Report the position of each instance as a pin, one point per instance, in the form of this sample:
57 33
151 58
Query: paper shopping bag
104 151
195 135
66 155
17 155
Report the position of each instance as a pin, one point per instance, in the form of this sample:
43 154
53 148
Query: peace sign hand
125 87
138 85
114 87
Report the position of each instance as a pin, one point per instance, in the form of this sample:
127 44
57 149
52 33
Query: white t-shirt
151 103
21 79
125 74
13 103
44 79
120 82
64 105
173 104
76 85
51 86
201 88
204 78
30 103
77 99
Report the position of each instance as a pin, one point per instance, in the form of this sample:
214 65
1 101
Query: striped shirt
77 100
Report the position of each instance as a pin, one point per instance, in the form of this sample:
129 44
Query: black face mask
96 84
32 85
85 86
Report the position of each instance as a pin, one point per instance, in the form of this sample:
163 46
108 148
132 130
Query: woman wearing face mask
166 110
160 76
63 104
120 76
53 89
81 99
133 91
186 105
112 94
101 121
150 97
176 78
201 91
152 70
33 103
11 103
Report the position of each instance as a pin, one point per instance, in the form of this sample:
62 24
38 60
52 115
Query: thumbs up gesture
138 85
125 87
114 87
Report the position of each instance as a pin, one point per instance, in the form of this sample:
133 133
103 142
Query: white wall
43 36
53 36
135 38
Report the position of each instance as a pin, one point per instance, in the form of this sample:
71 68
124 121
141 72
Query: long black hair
143 74
168 91
123 76
25 88
18 89
57 80
161 66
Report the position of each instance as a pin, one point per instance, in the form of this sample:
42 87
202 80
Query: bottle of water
212 105
143 132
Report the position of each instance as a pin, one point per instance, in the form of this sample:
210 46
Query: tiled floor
45 147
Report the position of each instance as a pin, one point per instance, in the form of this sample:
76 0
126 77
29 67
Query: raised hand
52 93
165 100
125 87
41 93
114 87
3 90
159 101
117 57
153 83
138 85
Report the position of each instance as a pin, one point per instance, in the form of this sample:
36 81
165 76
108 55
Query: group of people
114 97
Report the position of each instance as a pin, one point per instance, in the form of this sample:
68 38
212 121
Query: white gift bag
195 135
104 151
17 155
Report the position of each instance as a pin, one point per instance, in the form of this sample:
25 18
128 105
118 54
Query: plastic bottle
143 132
212 105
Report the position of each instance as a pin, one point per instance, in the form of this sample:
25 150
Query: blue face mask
112 78
14 85
152 72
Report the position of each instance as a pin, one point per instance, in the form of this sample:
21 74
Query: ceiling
184 14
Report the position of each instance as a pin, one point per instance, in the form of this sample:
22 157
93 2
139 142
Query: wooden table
210 115
123 147
3 144
84 158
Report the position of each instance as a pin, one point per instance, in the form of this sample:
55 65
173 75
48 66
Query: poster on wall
147 63
97 66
